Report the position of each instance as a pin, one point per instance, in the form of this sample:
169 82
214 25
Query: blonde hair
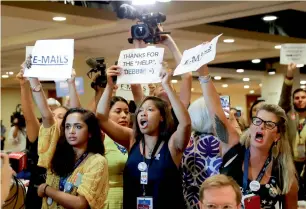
284 155
218 181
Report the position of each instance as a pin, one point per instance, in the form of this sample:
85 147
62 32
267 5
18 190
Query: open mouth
259 137
143 123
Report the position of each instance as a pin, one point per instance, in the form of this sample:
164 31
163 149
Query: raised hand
290 70
111 72
73 75
166 75
22 80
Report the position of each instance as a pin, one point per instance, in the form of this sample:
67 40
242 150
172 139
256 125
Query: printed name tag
144 203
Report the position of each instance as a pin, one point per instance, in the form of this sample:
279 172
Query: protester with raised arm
155 147
71 150
261 163
294 105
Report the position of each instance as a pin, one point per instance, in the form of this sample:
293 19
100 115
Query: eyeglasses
268 124
213 206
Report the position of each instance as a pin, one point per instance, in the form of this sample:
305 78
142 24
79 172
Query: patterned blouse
201 160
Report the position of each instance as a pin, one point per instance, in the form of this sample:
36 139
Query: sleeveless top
201 160
164 180
116 156
270 193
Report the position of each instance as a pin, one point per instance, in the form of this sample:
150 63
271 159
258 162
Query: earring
274 150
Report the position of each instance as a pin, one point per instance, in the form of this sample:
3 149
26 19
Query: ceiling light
300 65
271 71
173 81
246 86
228 40
217 77
240 70
256 61
192 89
143 2
303 87
246 79
11 73
269 18
4 76
303 82
224 85
260 84
59 19
278 46
252 92
164 0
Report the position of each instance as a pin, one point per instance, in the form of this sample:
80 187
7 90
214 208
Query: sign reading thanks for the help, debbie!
62 89
198 56
125 91
140 65
293 53
51 59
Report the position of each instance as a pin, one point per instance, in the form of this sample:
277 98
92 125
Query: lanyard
151 160
246 169
63 180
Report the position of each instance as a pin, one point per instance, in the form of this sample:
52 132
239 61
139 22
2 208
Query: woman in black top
261 162
155 148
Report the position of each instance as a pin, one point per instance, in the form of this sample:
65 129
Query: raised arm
32 123
185 89
181 136
118 133
224 129
41 102
73 94
286 94
137 88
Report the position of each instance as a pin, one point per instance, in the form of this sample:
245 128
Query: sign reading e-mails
140 66
196 57
51 59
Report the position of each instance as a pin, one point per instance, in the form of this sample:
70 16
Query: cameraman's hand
166 39
73 75
114 70
139 44
97 88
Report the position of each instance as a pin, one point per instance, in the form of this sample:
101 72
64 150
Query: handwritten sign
293 53
62 89
196 57
125 91
51 59
140 65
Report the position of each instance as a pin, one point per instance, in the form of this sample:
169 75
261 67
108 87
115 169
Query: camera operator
185 91
17 134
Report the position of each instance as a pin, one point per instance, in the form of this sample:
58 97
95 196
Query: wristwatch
36 88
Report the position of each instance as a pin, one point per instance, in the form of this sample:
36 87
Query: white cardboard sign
196 57
51 59
140 66
293 53
124 90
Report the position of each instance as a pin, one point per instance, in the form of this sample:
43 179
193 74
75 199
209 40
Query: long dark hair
166 127
116 99
63 161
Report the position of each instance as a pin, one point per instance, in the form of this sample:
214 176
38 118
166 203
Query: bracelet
36 88
204 79
45 188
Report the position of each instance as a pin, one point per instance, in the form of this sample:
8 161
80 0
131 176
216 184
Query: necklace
150 151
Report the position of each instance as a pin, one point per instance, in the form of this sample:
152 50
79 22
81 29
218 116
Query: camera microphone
91 62
128 12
